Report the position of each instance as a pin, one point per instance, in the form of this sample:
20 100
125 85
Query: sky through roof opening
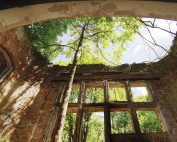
108 40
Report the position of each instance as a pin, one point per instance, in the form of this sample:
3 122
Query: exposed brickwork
20 89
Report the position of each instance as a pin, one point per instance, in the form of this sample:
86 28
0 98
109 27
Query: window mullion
107 123
132 109
79 118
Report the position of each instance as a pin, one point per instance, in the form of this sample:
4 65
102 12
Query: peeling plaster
21 16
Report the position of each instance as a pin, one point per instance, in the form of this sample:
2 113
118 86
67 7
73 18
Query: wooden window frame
80 107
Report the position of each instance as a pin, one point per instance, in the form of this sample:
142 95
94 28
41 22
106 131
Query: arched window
5 64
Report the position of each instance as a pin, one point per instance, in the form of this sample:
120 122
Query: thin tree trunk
85 134
67 92
86 129
70 132
58 116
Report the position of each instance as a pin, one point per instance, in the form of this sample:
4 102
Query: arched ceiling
15 13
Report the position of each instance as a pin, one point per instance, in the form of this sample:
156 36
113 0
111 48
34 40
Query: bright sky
138 51
139 91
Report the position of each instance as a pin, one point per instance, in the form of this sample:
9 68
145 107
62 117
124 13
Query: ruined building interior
30 85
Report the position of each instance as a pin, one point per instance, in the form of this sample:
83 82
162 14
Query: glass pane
140 92
68 130
149 121
94 95
74 94
93 127
121 122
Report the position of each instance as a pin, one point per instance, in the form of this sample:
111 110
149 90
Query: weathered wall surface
3 64
23 15
170 95
23 93
27 95
166 91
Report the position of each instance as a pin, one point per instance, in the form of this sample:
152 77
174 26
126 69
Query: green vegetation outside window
74 94
149 121
121 122
69 127
93 127
94 95
140 92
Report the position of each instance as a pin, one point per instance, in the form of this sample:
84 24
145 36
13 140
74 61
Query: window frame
108 106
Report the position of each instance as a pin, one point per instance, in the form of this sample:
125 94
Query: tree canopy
105 38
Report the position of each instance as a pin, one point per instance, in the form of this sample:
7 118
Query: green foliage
69 126
44 35
74 95
94 95
96 128
142 98
105 38
140 94
117 94
148 121
121 122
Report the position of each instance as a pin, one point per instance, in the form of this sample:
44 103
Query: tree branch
152 25
153 43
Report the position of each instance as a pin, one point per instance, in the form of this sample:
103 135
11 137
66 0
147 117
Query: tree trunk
86 128
59 113
70 132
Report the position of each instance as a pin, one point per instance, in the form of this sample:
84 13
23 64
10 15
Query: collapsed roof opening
107 40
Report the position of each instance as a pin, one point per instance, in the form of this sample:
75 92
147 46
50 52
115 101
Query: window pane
117 92
68 130
74 94
93 127
149 121
121 122
140 92
94 95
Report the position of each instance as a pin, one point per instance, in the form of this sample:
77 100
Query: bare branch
154 42
169 27
151 48
60 45
152 25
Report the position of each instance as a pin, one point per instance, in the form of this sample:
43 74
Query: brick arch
5 64
21 14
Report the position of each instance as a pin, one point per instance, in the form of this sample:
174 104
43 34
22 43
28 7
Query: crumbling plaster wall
27 96
23 92
22 15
